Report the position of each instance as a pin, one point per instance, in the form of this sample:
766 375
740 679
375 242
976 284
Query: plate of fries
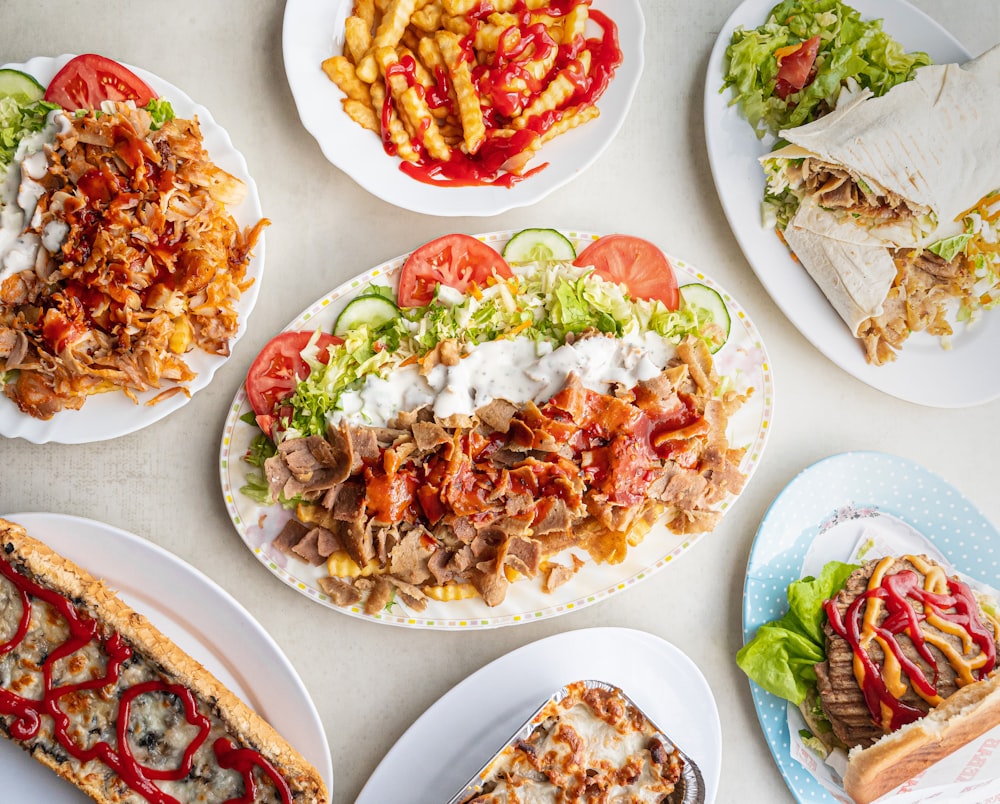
449 108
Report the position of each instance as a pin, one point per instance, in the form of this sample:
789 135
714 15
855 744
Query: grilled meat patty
842 698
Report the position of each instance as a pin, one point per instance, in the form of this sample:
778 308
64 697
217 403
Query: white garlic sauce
20 190
516 369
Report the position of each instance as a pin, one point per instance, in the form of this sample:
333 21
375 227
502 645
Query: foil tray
690 788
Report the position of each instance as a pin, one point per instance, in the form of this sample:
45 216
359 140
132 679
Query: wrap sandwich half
903 166
876 200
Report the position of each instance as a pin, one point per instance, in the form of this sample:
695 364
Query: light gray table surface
370 682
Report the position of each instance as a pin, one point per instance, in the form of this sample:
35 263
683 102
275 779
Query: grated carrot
788 50
520 328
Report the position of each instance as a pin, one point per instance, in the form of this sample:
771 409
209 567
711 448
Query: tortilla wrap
853 268
932 141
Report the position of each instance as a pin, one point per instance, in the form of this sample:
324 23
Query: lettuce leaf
850 48
16 121
161 111
781 655
950 247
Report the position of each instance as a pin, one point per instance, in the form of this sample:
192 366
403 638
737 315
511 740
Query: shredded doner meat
151 266
424 508
925 291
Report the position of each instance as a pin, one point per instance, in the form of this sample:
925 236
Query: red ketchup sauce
617 445
507 87
27 713
898 592
105 198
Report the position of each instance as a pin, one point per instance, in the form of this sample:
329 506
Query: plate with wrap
830 320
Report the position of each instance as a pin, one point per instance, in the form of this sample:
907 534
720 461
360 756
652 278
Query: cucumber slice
20 86
538 245
710 306
371 310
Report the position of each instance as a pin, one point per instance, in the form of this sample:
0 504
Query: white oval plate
194 612
835 498
313 30
733 149
662 681
106 416
743 357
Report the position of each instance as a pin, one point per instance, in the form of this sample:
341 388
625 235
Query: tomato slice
637 264
795 66
88 80
455 260
276 371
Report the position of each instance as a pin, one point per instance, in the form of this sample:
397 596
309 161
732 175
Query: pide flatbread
929 144
93 691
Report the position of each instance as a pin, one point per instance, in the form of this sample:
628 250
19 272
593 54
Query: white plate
194 612
743 358
468 724
314 30
105 416
733 149
832 501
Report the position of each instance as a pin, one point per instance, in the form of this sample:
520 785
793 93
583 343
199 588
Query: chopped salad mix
792 69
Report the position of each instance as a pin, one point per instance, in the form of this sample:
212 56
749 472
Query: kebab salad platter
131 249
496 429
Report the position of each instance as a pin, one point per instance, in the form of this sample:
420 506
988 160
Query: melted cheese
577 753
159 732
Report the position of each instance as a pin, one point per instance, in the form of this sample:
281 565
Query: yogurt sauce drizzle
20 190
516 369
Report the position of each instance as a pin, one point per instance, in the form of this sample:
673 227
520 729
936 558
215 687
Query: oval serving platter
743 358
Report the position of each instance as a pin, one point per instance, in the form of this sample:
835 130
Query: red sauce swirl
507 86
27 713
908 604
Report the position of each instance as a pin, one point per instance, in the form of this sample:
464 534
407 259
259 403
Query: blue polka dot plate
845 506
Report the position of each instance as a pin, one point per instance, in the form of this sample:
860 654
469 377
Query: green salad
18 118
777 81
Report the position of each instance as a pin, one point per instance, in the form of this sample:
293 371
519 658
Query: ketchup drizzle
506 88
896 591
83 630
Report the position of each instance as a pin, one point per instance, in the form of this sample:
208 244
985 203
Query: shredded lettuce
161 111
546 301
950 247
850 48
782 654
261 448
16 121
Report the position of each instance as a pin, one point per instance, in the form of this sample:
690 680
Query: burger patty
842 699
